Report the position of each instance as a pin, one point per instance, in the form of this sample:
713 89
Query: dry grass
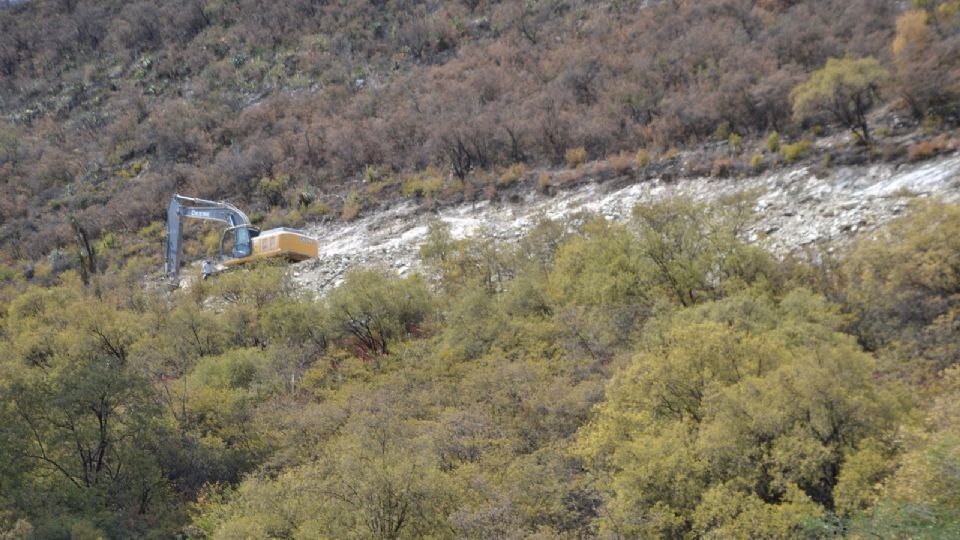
351 206
930 148
544 182
575 157
620 163
513 174
643 158
722 167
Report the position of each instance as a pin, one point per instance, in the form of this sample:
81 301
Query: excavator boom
190 207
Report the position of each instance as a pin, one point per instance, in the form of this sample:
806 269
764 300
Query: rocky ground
795 208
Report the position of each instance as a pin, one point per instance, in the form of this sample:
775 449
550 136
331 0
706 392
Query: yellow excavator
240 242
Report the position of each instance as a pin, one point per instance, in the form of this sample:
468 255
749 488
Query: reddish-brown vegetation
211 98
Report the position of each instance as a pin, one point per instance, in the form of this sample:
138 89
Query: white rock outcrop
795 208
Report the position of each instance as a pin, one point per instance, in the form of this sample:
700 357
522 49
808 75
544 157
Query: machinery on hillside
240 242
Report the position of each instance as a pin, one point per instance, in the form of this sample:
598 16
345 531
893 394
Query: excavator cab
237 242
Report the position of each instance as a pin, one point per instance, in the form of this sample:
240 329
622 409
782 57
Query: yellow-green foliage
152 231
932 123
318 209
795 151
723 131
600 268
352 205
362 489
513 174
256 285
273 188
642 158
426 184
598 281
694 249
736 143
950 8
293 218
657 378
8 273
377 309
677 433
901 283
773 142
211 243
133 170
922 498
756 161
859 485
372 174
845 88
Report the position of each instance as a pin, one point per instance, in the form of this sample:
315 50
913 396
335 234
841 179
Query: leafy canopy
845 88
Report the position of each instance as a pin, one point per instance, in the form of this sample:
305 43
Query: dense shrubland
302 111
652 379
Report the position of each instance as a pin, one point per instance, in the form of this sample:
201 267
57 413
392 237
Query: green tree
693 252
472 324
376 308
596 290
464 263
903 285
846 88
735 420
379 478
88 425
922 499
256 286
299 332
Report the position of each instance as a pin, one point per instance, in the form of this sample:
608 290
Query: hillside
797 212
625 269
653 378
302 112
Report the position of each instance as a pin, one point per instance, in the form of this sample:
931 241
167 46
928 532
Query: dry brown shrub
620 163
722 167
575 157
929 148
544 182
698 166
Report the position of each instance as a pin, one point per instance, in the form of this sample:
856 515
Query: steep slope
284 108
796 209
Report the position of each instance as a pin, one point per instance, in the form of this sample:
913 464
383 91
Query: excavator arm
190 207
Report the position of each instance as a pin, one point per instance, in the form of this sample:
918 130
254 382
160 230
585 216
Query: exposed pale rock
795 210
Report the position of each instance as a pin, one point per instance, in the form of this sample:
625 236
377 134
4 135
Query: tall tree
845 88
